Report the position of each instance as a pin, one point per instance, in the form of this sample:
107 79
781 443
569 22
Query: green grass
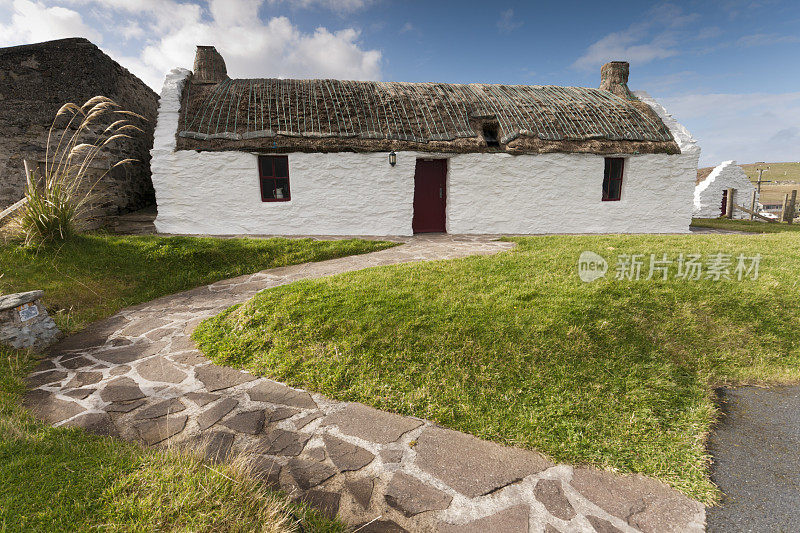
94 276
750 226
67 480
55 479
516 349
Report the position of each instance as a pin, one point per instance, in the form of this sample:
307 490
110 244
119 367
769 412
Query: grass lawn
95 276
751 226
67 480
515 348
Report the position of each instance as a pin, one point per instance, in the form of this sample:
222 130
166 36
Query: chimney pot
614 78
209 66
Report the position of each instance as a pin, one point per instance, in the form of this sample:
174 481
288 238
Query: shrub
59 193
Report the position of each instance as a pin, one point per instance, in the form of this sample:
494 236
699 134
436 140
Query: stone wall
35 81
24 322
361 194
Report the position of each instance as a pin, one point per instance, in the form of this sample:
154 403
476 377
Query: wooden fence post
752 203
785 207
790 208
730 204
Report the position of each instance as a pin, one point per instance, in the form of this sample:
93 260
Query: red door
430 196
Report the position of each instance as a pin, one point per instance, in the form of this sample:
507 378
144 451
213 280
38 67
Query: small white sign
27 311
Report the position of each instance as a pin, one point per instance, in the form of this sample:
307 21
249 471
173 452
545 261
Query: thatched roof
334 115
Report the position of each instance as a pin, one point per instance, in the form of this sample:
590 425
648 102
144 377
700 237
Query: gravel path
139 376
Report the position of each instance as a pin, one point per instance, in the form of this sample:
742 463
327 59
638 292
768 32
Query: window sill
275 200
611 199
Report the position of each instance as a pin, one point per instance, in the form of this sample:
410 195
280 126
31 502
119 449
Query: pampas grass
58 198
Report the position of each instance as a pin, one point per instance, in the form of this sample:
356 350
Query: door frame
444 193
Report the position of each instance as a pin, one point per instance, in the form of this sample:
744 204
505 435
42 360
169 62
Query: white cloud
252 47
507 23
342 6
745 127
655 37
407 27
766 39
33 22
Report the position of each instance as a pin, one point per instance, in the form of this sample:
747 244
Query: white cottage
329 157
711 192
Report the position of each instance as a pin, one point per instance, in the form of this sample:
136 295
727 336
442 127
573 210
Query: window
612 178
273 173
490 134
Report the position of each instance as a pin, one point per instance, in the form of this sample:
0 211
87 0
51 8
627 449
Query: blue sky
726 69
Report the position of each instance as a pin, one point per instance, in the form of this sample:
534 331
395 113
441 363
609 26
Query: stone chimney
614 78
209 67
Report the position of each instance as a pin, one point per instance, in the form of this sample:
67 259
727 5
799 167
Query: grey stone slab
10 301
550 528
472 466
411 496
160 333
51 376
121 390
159 409
550 493
220 377
75 363
346 456
124 407
201 399
361 490
602 526
303 421
382 526
391 455
45 406
142 326
160 429
282 413
370 424
511 520
44 364
190 358
270 391
94 335
282 442
217 445
97 423
324 502
119 370
644 503
130 353
182 343
214 414
266 469
316 454
309 474
160 369
82 379
78 394
249 422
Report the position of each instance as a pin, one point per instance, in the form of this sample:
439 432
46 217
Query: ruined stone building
35 81
293 156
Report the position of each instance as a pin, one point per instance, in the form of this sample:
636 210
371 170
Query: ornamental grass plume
59 193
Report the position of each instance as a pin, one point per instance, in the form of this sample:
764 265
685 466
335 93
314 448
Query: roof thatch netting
235 113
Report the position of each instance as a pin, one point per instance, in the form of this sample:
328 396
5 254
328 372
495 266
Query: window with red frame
273 171
612 179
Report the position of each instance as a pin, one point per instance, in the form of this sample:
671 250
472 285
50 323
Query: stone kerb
24 322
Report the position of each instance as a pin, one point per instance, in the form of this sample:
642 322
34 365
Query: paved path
756 450
138 375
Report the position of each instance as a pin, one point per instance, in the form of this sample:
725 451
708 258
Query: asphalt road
756 450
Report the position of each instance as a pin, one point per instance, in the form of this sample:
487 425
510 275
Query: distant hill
776 171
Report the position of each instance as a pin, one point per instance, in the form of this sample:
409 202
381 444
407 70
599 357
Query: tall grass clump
59 193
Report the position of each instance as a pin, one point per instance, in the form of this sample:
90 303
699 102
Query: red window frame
268 178
612 178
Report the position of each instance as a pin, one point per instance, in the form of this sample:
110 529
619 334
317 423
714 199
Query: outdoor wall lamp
392 158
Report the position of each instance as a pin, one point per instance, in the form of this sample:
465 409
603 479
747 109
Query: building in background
711 191
35 81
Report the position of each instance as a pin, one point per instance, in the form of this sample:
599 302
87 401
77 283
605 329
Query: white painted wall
708 193
361 194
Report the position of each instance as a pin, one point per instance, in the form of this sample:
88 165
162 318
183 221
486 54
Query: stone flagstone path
137 375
